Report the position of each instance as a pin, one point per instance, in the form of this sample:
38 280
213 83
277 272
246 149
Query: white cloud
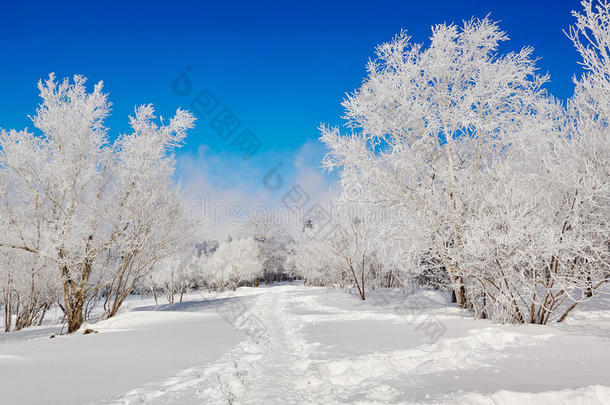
221 189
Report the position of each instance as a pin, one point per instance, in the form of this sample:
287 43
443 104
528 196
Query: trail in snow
312 346
272 363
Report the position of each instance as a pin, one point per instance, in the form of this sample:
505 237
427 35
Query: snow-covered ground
289 344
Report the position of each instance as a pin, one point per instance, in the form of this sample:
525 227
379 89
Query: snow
138 346
291 344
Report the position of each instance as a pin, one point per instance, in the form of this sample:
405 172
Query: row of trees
458 171
259 253
234 263
88 221
346 245
469 171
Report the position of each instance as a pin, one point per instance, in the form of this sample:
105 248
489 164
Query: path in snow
270 366
318 346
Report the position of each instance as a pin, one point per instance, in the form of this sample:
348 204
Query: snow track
279 361
271 363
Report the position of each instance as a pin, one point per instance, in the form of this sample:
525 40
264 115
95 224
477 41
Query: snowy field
289 344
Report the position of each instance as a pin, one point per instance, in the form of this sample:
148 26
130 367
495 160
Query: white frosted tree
234 262
348 245
145 211
313 258
427 121
273 243
509 189
27 289
63 173
85 207
174 275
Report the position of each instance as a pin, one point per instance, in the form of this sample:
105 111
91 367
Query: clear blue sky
280 67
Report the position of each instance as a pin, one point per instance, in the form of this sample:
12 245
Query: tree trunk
362 279
76 320
154 293
8 313
8 305
75 296
460 294
484 307
44 312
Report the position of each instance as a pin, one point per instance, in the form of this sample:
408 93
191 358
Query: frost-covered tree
538 243
313 259
273 243
174 275
234 262
63 173
426 122
27 289
85 207
348 246
146 215
509 189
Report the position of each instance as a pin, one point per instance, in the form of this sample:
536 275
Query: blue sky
280 67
